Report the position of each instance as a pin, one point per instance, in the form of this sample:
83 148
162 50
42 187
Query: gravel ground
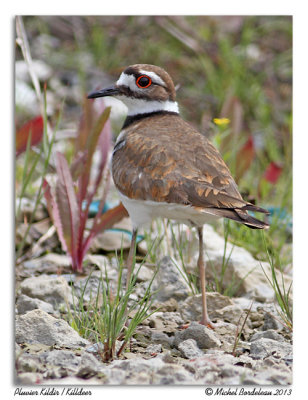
170 347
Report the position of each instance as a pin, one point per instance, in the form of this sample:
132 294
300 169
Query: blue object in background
282 215
94 206
93 210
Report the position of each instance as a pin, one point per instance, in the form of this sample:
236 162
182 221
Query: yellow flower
221 121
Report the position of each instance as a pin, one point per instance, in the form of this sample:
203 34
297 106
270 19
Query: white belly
142 212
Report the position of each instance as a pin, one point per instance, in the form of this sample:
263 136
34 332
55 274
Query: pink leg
130 258
201 265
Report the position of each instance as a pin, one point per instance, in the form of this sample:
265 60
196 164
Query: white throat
141 106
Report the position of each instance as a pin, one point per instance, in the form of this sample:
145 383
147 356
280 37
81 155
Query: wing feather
177 165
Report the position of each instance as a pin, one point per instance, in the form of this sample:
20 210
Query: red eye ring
147 84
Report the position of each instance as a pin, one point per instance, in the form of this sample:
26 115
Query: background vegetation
237 67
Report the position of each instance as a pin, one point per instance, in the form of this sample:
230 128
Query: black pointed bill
111 91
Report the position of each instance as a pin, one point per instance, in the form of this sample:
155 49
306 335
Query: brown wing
178 165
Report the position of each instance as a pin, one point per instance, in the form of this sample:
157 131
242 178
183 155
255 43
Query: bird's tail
241 215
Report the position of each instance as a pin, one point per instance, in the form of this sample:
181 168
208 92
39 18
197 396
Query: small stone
169 282
167 358
257 319
88 287
270 362
154 348
29 378
50 263
18 349
167 322
39 327
160 337
269 334
99 260
95 348
246 361
89 366
170 305
204 336
231 313
54 290
72 381
110 241
234 371
27 207
275 377
242 268
191 309
189 349
26 303
288 359
265 347
255 381
28 363
144 274
156 323
271 322
226 329
61 358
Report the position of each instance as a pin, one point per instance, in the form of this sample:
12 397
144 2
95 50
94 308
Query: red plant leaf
91 146
77 165
272 172
53 211
103 147
109 218
35 127
106 221
68 207
85 125
104 142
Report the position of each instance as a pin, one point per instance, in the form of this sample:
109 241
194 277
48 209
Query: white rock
145 274
154 348
204 336
29 378
265 347
189 349
170 282
39 327
51 289
50 263
269 334
242 268
26 303
191 308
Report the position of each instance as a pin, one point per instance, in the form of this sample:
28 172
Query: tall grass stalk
239 331
233 286
282 293
190 279
112 317
44 154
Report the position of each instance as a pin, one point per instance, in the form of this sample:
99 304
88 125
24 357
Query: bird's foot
208 323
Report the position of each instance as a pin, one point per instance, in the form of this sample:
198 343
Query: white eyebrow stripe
155 78
127 80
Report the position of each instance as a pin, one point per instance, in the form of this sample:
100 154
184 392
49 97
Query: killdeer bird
163 167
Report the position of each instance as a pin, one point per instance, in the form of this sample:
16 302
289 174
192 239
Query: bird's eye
143 81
